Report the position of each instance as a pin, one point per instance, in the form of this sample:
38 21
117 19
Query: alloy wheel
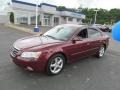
56 65
101 51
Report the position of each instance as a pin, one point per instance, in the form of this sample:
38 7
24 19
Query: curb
22 29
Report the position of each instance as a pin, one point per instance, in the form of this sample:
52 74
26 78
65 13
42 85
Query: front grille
14 51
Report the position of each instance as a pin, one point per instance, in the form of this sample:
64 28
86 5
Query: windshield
61 32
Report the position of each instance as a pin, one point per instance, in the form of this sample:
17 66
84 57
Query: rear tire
101 52
55 64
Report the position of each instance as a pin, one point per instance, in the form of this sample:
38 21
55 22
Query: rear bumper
30 65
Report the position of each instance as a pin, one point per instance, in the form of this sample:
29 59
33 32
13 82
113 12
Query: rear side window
93 33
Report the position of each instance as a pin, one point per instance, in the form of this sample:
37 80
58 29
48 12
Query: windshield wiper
50 36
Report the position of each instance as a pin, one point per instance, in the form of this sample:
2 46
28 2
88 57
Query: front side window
83 34
61 32
93 33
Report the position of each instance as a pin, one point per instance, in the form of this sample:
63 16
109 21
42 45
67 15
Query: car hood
34 41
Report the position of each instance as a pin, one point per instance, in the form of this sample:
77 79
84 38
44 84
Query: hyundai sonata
62 44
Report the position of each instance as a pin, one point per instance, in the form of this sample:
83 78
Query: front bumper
30 65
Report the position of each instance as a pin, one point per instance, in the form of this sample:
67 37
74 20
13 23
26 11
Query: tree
115 14
11 17
61 8
103 16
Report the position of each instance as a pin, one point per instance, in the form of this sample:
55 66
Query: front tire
55 64
101 52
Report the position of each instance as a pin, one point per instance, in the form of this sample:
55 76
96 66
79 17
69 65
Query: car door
94 36
79 48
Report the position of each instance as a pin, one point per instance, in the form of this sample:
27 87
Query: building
3 18
48 15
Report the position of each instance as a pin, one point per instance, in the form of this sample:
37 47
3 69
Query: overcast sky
106 4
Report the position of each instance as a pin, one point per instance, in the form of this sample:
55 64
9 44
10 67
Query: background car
104 28
62 44
110 28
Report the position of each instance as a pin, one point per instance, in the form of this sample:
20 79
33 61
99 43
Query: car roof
74 25
81 26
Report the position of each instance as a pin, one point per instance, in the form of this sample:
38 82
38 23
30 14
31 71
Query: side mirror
76 39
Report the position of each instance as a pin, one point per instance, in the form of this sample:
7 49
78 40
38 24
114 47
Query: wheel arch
104 44
61 54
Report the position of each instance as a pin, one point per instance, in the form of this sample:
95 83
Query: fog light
29 68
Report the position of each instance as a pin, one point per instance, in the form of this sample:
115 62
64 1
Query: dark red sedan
62 44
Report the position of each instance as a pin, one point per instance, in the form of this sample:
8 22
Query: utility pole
95 16
36 29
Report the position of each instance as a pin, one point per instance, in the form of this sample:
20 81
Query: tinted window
93 33
83 33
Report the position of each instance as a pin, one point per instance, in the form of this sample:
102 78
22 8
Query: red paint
48 47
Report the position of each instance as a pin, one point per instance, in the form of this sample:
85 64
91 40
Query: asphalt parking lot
86 74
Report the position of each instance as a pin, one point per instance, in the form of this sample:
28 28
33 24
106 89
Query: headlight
30 54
